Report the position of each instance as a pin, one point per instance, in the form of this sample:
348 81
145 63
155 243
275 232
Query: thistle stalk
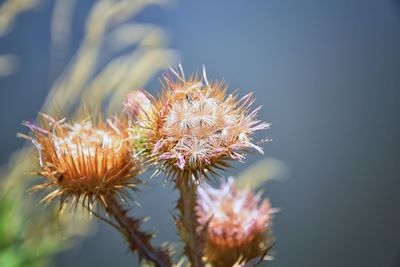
138 241
188 226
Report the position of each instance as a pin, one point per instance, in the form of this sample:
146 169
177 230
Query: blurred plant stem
9 11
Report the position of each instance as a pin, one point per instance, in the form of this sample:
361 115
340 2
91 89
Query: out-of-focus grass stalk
260 172
132 70
129 34
9 11
60 29
8 64
149 63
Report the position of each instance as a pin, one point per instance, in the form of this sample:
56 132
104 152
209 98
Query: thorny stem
188 220
133 235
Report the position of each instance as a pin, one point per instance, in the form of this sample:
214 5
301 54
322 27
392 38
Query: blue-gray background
328 76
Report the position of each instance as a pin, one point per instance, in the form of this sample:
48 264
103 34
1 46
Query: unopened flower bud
237 223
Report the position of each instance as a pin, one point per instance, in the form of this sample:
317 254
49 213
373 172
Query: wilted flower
195 127
86 161
237 223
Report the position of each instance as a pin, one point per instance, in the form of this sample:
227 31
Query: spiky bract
84 161
237 221
195 127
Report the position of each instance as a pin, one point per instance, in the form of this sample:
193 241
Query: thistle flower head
195 126
235 216
88 160
237 223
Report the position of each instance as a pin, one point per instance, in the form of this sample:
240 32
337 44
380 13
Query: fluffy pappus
195 127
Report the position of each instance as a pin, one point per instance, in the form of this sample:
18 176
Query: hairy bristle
85 161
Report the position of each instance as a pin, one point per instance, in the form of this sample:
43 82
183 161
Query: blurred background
326 72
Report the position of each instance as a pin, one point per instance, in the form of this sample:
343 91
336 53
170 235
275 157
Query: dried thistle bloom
88 160
237 223
195 127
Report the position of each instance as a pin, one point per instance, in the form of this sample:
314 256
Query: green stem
187 223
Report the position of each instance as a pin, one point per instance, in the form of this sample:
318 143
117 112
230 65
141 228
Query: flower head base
237 223
195 127
87 160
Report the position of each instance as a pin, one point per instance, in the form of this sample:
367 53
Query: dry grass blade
60 32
